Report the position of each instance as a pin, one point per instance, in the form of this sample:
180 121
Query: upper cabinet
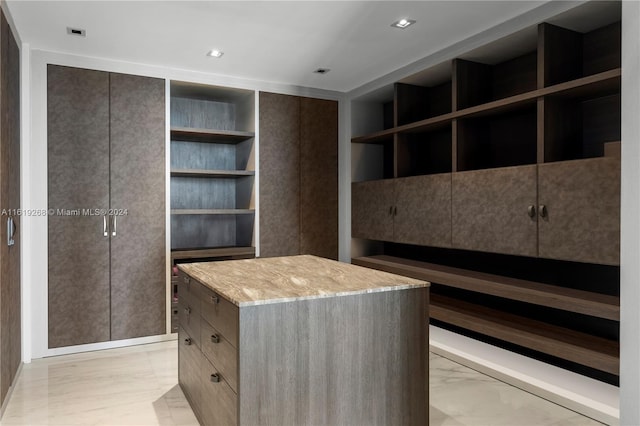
212 169
499 119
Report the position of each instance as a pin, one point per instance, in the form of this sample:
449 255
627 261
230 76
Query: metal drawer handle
186 280
215 338
531 211
215 299
215 377
187 341
105 227
543 211
187 311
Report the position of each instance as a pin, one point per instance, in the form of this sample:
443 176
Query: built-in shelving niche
212 168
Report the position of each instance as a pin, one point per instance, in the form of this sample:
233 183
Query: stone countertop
284 279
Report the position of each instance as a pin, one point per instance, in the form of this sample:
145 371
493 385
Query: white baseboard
109 345
584 395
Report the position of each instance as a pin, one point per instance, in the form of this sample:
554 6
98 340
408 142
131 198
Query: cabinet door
138 242
10 340
78 178
372 205
490 210
423 210
582 200
319 177
279 175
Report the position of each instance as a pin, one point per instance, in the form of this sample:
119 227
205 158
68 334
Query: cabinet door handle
531 211
543 211
215 377
390 210
187 341
11 229
215 299
105 226
215 338
115 225
395 210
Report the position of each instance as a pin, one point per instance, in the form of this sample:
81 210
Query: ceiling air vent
76 32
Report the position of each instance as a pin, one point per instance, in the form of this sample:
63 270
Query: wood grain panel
582 198
372 205
219 402
279 175
10 339
190 360
78 177
489 210
423 210
317 350
221 314
560 55
319 177
138 277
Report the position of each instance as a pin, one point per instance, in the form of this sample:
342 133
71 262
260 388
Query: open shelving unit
212 172
491 160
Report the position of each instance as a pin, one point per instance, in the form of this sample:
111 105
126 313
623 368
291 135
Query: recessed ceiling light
76 31
322 70
215 53
403 23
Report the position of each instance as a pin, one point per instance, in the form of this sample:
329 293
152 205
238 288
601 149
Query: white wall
630 233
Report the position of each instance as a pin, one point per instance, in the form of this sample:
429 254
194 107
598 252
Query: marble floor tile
138 386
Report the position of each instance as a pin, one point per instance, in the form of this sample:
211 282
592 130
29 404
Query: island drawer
189 319
219 403
189 367
221 354
221 314
189 291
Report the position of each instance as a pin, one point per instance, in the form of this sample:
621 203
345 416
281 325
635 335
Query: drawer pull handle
215 338
187 341
187 311
186 280
215 299
215 378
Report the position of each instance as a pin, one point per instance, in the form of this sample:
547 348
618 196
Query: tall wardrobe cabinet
106 197
10 341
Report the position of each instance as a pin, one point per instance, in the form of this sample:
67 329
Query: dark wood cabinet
528 129
579 211
491 210
10 224
298 176
106 168
413 210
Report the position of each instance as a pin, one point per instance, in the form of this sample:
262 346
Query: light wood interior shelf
585 349
233 252
211 173
211 211
578 301
208 135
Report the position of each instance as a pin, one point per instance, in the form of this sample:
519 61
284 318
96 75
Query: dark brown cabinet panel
298 176
279 175
78 168
423 214
490 210
372 205
106 174
581 217
10 339
319 177
138 234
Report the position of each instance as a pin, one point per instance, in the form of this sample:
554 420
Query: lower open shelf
218 252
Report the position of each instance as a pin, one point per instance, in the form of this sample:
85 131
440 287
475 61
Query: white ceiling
275 41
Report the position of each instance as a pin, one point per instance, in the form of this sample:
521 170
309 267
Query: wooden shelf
578 301
595 352
591 86
211 173
208 135
211 211
233 252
